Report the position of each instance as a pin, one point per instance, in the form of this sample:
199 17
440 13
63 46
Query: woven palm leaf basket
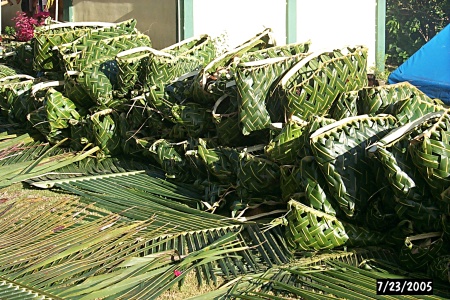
311 86
430 153
309 229
256 74
217 77
50 36
340 151
14 91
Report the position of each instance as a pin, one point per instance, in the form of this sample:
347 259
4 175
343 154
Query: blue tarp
429 68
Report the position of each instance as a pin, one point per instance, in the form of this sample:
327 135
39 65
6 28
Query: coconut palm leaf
91 166
13 290
345 275
87 241
101 253
22 158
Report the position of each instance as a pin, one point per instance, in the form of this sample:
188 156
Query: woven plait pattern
431 153
256 175
345 106
46 38
217 77
307 183
201 47
404 179
14 93
309 229
313 84
419 250
340 150
74 90
130 71
285 147
105 128
254 82
256 75
440 268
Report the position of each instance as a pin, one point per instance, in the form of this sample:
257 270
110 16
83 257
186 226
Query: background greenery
410 24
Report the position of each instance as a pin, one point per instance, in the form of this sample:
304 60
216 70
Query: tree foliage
412 23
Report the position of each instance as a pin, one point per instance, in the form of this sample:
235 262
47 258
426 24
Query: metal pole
56 10
291 21
380 35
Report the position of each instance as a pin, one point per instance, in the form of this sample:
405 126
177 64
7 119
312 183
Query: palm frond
22 158
345 275
10 290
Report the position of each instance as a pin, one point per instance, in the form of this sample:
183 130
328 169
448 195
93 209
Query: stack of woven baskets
259 124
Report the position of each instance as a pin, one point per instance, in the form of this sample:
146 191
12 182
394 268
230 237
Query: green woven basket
164 68
285 147
194 119
6 71
170 160
50 36
310 230
100 50
382 99
104 125
226 118
439 267
220 162
217 77
14 97
430 152
131 69
340 150
74 90
425 215
313 84
201 47
393 156
420 250
307 183
256 175
256 74
54 117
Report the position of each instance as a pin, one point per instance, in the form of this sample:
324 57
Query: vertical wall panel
239 20
331 23
156 18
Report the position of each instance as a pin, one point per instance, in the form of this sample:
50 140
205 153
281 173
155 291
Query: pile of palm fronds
257 127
